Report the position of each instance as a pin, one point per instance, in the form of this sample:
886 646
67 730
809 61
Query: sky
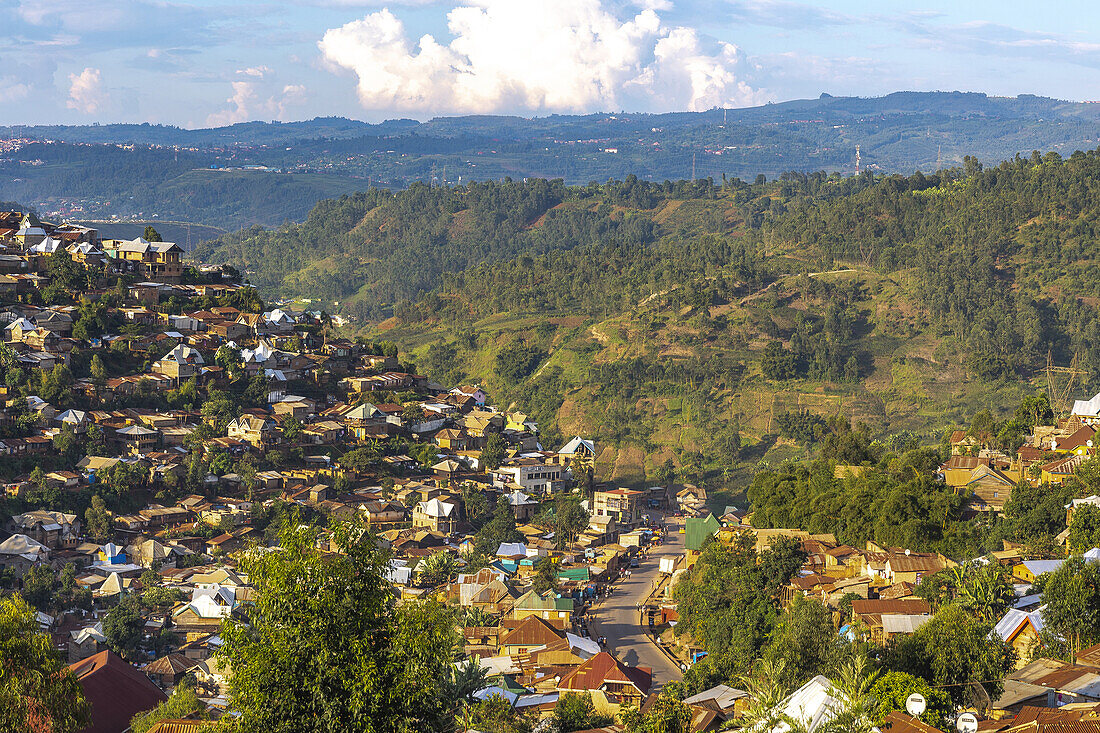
217 62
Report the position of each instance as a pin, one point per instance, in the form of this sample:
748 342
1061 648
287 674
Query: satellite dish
967 723
915 705
907 551
1088 443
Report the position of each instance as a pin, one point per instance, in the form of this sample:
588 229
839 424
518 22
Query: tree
39 585
328 649
500 529
38 693
893 688
124 627
955 651
806 640
152 235
181 703
668 715
1071 596
855 709
412 414
292 429
97 520
97 369
1084 528
492 455
439 568
777 363
578 712
546 576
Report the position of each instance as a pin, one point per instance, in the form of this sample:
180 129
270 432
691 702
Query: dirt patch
666 211
629 465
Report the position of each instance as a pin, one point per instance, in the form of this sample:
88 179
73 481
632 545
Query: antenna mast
1059 398
939 159
693 167
857 160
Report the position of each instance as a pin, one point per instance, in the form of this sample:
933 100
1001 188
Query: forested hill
269 173
695 322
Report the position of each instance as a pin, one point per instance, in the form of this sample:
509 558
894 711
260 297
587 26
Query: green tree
954 651
546 576
37 690
97 369
1084 528
180 704
1071 596
577 712
97 520
501 528
893 688
124 627
151 235
492 455
777 363
667 715
327 648
39 586
292 429
806 640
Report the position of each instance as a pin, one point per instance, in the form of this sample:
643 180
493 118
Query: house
86 642
153 261
612 684
436 515
52 529
624 505
692 500
1021 630
577 451
259 432
138 439
547 606
475 392
115 690
1027 571
167 671
181 363
531 633
910 567
873 613
531 475
19 553
523 506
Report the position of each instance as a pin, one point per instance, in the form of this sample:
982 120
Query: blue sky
222 61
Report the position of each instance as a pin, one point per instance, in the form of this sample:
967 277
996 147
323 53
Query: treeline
1002 255
384 247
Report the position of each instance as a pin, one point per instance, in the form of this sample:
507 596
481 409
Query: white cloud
253 98
12 89
86 93
244 93
537 55
257 71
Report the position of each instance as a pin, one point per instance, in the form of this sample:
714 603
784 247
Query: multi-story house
154 261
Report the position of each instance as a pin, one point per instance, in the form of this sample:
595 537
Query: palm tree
767 694
439 568
477 616
854 708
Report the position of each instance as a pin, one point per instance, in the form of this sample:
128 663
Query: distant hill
695 321
900 132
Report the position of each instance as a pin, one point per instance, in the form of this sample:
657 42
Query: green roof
578 574
696 531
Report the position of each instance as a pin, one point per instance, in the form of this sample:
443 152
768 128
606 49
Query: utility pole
693 167
939 159
857 160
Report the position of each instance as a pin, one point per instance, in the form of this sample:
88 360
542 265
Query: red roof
595 672
116 691
531 632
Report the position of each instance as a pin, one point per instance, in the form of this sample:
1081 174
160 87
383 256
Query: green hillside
694 322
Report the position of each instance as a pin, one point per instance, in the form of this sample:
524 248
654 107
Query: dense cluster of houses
1052 454
323 398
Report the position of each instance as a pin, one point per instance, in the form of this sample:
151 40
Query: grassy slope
916 384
